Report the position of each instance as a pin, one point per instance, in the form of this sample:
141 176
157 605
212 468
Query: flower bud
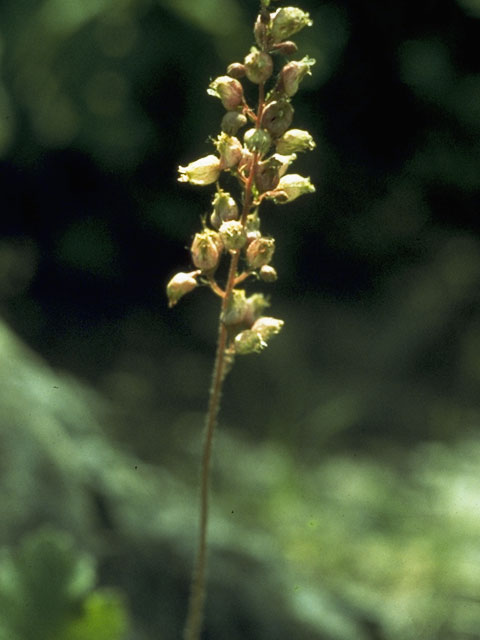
236 70
236 309
232 121
206 250
247 342
295 140
277 117
229 149
287 21
179 285
268 273
286 48
229 90
290 187
257 140
292 74
260 252
258 66
224 206
233 235
201 172
267 327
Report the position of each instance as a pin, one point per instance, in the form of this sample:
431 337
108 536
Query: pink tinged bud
206 250
287 21
233 235
229 90
286 48
257 140
268 273
224 206
258 66
232 121
277 117
229 149
201 172
260 252
291 187
295 140
179 285
292 74
247 342
236 70
267 327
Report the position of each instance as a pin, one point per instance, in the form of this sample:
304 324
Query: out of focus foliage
46 592
346 493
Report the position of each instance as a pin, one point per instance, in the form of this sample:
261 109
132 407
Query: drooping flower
258 66
229 90
229 149
179 285
295 140
206 249
260 252
287 21
291 187
201 172
292 74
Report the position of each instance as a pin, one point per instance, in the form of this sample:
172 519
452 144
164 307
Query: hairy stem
194 621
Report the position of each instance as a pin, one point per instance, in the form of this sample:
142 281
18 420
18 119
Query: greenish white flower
229 90
201 172
292 74
295 140
260 252
291 187
287 21
267 327
247 342
206 250
258 66
224 207
179 285
233 235
229 149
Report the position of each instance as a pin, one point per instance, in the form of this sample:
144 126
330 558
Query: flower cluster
256 147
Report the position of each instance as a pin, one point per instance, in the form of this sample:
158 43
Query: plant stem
196 605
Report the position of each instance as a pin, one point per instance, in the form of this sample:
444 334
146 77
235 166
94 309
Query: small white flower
179 285
267 327
291 186
201 172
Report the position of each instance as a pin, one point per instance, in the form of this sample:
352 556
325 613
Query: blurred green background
346 486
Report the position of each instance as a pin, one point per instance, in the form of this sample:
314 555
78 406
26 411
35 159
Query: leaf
104 618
